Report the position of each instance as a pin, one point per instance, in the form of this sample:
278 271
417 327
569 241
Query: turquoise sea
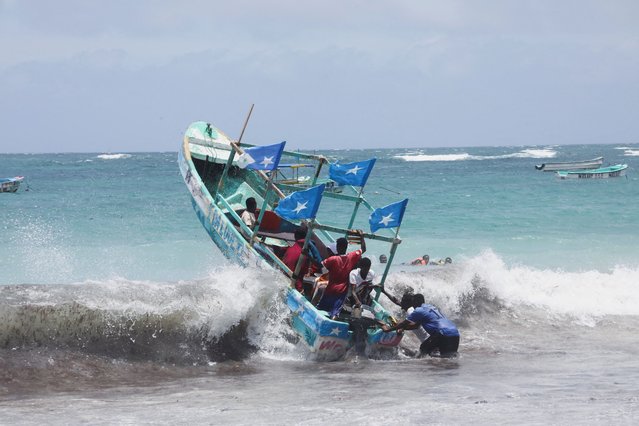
112 296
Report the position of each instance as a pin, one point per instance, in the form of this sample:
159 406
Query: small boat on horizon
602 173
10 184
571 165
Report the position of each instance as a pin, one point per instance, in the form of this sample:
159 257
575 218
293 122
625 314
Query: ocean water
115 306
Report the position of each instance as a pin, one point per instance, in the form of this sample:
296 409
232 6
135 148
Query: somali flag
355 174
261 157
387 217
301 204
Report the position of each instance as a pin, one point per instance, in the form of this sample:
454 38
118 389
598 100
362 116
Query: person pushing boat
443 333
339 268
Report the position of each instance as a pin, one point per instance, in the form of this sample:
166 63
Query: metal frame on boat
219 189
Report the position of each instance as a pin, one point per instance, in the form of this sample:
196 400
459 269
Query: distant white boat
10 184
602 173
571 165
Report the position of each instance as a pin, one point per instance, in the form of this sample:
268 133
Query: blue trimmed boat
601 173
10 184
219 187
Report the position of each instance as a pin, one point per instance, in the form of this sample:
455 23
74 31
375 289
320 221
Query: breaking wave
236 312
525 153
485 284
225 316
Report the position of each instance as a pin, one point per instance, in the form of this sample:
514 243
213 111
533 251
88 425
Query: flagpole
269 184
317 171
357 203
239 141
389 263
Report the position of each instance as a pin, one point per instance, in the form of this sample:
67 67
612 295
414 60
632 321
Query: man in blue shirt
443 334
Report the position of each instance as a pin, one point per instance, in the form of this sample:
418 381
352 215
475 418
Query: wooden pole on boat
322 159
234 147
239 141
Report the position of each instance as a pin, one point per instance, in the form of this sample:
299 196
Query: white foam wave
113 156
214 304
440 157
536 153
583 295
464 156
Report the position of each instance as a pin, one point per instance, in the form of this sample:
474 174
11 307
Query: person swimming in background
425 260
421 260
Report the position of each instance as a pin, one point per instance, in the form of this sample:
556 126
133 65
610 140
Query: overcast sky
123 75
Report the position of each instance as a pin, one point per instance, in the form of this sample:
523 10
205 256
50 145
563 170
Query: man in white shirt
248 215
361 283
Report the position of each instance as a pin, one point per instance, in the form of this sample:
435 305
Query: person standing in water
443 334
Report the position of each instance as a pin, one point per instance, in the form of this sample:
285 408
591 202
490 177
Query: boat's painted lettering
389 339
215 219
330 345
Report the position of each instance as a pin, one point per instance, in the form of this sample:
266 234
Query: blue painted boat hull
213 219
617 170
328 340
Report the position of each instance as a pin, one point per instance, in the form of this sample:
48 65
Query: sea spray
190 321
582 296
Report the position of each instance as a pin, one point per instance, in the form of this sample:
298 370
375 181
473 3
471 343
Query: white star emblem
354 170
300 309
300 207
386 219
335 331
267 161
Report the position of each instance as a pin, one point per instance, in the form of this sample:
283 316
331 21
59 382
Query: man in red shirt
339 268
293 254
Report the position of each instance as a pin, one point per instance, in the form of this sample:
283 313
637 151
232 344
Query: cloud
322 74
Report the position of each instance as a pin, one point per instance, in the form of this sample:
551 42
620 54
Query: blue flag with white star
387 217
261 157
301 204
355 174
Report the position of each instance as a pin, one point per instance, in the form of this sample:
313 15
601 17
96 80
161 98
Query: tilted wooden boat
208 161
10 184
571 165
601 173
